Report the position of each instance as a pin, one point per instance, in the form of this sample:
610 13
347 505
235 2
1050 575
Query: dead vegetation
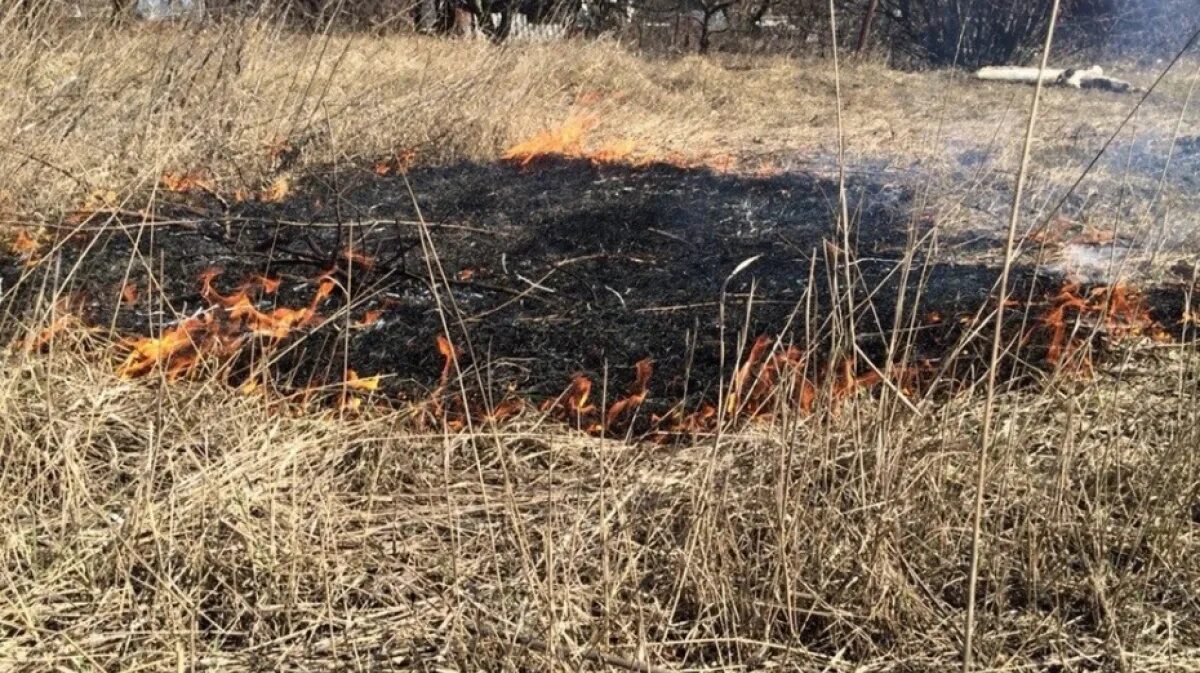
191 526
184 527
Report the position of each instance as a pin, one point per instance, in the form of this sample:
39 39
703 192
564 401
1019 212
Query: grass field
155 525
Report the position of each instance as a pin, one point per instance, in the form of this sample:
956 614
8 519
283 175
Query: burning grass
238 474
242 334
223 331
569 142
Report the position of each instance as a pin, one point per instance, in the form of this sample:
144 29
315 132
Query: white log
1086 78
1012 73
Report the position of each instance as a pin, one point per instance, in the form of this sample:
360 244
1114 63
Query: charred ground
563 266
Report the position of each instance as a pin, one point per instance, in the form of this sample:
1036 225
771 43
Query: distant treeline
968 33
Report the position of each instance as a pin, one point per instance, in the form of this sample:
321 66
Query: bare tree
864 32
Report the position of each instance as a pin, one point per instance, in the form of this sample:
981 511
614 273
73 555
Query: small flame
354 382
573 403
568 142
208 292
325 286
24 244
614 153
369 318
129 293
148 352
637 392
277 191
740 379
506 410
65 321
398 164
447 350
189 181
361 259
578 393
268 285
1122 311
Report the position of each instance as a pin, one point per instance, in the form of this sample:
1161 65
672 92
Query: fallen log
1077 78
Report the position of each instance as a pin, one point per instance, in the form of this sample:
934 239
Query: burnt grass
550 270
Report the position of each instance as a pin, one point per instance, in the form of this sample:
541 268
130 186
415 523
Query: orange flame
355 257
449 354
577 395
369 318
573 403
400 163
148 352
506 410
183 183
65 320
447 351
734 398
268 285
613 153
568 141
179 350
129 294
24 245
354 382
1122 311
637 393
276 192
564 141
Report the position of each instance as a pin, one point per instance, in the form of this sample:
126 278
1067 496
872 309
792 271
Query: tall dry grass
187 527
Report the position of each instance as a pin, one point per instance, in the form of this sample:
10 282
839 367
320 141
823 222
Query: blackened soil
539 272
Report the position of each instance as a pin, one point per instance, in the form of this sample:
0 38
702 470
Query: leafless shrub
967 33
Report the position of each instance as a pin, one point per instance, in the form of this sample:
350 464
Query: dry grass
178 528
92 108
188 527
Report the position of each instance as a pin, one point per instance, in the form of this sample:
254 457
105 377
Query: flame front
569 141
771 377
637 393
1121 311
222 330
564 141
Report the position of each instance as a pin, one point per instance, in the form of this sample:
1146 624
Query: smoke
1137 28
